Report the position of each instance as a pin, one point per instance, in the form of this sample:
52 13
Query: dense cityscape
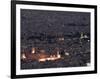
51 39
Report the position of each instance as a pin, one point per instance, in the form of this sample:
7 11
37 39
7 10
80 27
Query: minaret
33 50
58 55
82 35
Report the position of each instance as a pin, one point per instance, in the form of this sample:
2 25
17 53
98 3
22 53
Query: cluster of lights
61 39
43 59
51 58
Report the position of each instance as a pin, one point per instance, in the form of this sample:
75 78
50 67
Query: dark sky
54 21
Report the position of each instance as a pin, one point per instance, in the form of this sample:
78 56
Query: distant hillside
53 22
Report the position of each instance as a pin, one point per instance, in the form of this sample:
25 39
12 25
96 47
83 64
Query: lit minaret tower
58 55
33 50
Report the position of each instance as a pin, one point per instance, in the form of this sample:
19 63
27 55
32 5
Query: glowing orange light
42 60
33 50
23 56
51 58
